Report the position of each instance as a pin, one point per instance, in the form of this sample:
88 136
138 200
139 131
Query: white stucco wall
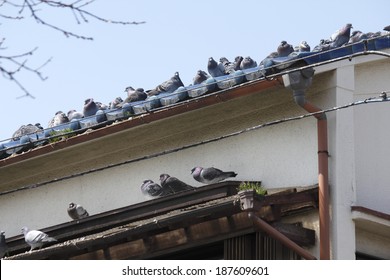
279 156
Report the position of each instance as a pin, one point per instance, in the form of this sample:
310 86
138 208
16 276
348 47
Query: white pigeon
76 211
36 238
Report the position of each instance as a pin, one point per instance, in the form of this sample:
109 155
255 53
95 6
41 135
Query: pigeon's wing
81 212
176 185
211 173
36 236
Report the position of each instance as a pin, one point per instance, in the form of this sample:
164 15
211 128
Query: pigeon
3 245
200 77
215 69
284 49
116 103
36 238
151 190
168 86
304 47
134 95
173 184
357 36
101 106
90 107
26 129
324 45
210 175
386 28
248 62
76 211
227 65
237 62
341 36
59 118
74 115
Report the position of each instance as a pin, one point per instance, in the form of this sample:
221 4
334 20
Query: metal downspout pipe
299 81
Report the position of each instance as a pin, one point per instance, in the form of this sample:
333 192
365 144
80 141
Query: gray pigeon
134 95
215 69
357 36
227 65
151 190
324 45
248 62
26 129
173 184
284 49
59 118
3 245
237 62
341 36
36 238
168 86
200 77
211 175
304 47
76 211
74 115
116 103
90 107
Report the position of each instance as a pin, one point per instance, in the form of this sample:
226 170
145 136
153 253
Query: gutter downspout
299 81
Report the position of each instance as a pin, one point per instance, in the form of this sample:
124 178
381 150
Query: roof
188 98
154 228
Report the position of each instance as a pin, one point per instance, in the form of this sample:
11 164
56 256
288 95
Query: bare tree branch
33 8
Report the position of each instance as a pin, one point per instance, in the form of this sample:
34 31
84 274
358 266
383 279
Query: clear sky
177 36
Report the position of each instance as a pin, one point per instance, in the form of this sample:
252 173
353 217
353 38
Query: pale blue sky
177 36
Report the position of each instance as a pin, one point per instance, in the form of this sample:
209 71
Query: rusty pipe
274 233
323 184
298 81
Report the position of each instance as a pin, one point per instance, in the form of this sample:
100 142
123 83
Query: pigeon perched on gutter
116 103
211 175
74 115
284 49
36 238
227 65
324 45
3 245
248 62
173 184
341 36
357 36
151 190
76 211
304 47
58 119
237 62
134 95
26 129
168 86
200 77
90 107
215 69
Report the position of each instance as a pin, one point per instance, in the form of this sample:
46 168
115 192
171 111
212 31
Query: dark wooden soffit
241 90
189 224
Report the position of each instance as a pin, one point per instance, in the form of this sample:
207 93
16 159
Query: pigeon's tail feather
50 239
231 174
